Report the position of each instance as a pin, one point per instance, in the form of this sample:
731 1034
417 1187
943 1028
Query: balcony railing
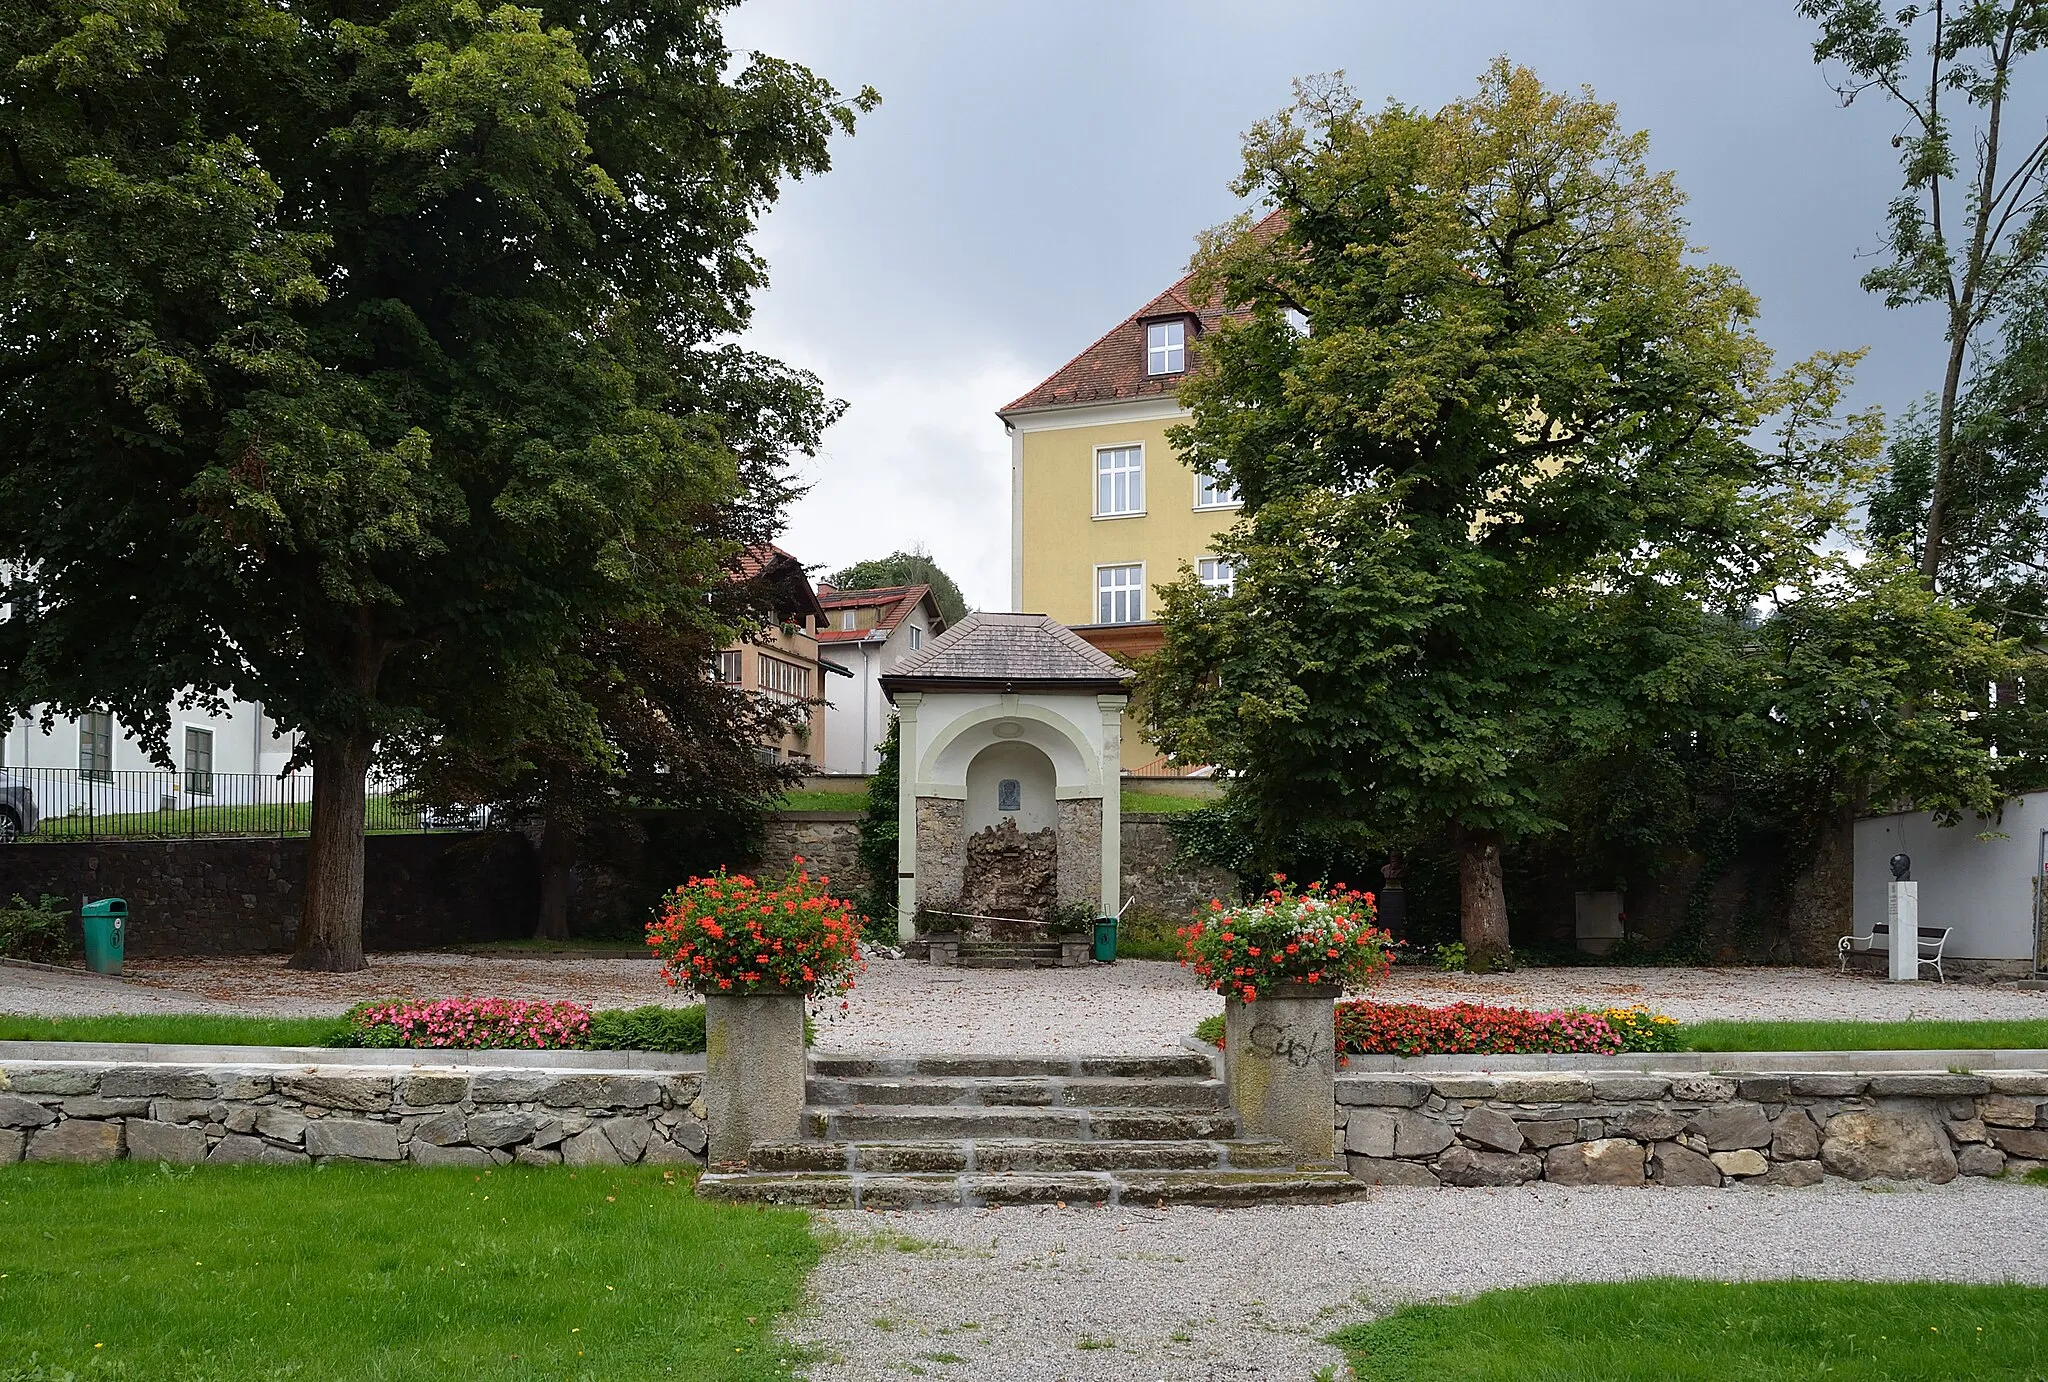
57 805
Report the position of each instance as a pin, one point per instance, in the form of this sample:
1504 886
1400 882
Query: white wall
1982 888
244 745
856 711
1031 770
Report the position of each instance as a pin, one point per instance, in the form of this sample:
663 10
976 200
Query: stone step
1182 1063
1054 1091
823 1190
922 1123
1018 1154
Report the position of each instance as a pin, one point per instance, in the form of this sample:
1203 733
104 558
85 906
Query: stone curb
75 971
138 1053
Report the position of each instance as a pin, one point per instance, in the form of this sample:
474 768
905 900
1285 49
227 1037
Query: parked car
455 817
18 814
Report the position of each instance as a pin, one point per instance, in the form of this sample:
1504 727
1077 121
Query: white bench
1932 939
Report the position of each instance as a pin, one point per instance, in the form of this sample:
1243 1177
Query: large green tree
1496 430
914 567
361 353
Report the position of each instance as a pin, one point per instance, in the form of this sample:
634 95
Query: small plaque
1009 795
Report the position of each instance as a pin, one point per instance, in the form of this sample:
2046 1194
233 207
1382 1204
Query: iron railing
56 805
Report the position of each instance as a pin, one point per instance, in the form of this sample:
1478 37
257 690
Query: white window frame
1221 494
1163 354
1132 593
1227 582
87 748
783 678
1134 491
916 637
738 666
187 775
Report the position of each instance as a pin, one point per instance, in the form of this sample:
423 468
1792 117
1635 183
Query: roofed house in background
782 661
867 633
1102 507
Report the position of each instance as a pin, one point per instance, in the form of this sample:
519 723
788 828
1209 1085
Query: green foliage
1210 1029
386 1273
2037 1176
1701 1331
649 1028
914 567
1450 958
177 1029
1146 934
878 837
1072 919
2024 1034
40 931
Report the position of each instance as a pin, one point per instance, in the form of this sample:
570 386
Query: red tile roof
895 602
777 569
1114 367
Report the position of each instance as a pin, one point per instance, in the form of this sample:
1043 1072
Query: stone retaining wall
293 1114
1624 1128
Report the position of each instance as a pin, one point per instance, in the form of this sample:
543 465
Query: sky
1037 171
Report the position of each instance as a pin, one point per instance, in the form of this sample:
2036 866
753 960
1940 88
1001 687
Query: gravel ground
1134 1006
1193 1295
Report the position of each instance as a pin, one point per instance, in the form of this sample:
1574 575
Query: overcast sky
1039 170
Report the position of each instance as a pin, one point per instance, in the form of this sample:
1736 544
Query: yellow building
1102 508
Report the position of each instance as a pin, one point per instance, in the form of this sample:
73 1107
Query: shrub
650 1028
41 932
732 934
1210 1029
469 1024
1642 1030
1315 935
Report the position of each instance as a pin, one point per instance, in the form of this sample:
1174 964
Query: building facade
782 661
865 634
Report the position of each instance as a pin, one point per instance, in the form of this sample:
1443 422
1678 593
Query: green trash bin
106 934
1105 940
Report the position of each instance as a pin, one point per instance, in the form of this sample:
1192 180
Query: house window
1166 347
96 746
1120 594
1217 574
1119 480
780 678
916 638
1212 493
198 762
727 667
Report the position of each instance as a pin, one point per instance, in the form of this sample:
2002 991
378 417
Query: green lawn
382 815
1673 1331
139 1272
825 801
175 1029
1168 803
1864 1036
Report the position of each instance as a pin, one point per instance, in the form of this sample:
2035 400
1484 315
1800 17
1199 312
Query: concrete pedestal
1279 1054
1902 914
753 1071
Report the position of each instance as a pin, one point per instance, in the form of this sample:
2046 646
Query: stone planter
1074 951
942 948
753 1070
1280 1060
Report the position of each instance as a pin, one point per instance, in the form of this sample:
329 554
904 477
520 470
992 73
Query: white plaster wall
1982 888
1033 772
953 726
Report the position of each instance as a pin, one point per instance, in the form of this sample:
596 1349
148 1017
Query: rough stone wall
283 1115
1625 1128
829 841
1079 826
242 896
1155 882
941 851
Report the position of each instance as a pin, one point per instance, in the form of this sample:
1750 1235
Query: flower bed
1315 935
731 933
471 1024
1406 1029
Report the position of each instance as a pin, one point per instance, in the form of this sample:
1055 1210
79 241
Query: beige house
782 661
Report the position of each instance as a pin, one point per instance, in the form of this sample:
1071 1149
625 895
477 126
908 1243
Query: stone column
1112 708
1903 915
1279 1055
907 764
753 1070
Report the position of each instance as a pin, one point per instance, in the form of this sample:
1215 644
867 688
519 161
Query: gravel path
1193 1295
1134 1006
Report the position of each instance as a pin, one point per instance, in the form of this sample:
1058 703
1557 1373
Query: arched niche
945 765
1011 780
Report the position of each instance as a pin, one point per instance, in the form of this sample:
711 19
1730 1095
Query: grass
1673 1331
175 1029
825 801
196 816
1864 1036
1163 803
2037 1176
138 1272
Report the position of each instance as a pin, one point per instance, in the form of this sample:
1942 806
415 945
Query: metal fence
57 805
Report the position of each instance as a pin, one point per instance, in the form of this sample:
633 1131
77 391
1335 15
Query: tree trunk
557 853
331 924
1482 905
1944 464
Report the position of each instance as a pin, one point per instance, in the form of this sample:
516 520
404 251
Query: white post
1112 708
1903 916
907 768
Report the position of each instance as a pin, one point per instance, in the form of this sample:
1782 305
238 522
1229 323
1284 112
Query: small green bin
106 934
1105 940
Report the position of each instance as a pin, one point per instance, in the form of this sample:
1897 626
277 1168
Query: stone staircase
962 1132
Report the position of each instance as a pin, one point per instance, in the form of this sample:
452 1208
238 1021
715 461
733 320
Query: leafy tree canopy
914 567
361 355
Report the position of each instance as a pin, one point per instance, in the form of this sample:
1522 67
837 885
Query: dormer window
1166 347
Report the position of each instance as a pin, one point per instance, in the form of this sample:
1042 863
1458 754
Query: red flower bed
471 1024
1406 1029
730 933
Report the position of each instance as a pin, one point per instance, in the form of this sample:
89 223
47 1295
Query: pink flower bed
1407 1029
472 1024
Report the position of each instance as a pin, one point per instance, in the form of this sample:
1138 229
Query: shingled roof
1114 367
1018 652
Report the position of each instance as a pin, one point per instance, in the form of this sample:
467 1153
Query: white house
1977 878
866 633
